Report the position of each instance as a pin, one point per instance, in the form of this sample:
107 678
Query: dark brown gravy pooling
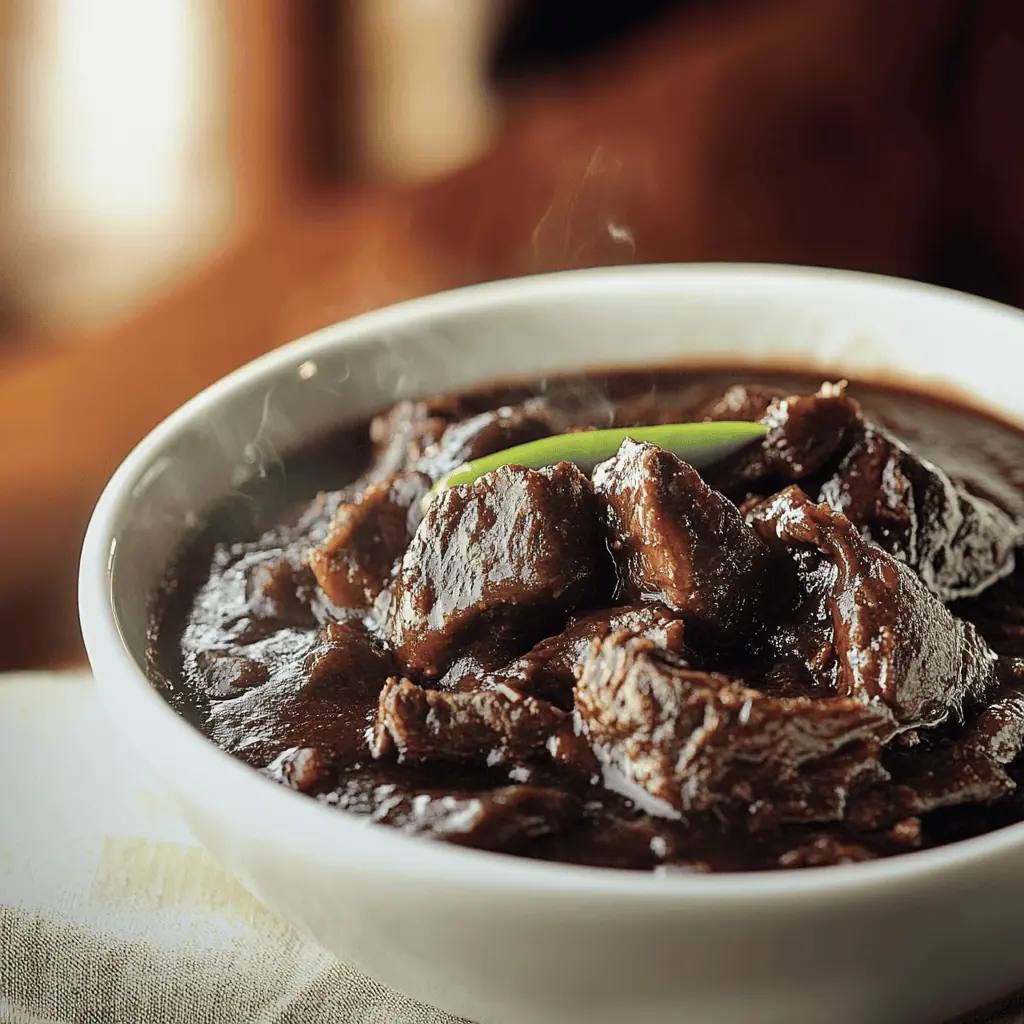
806 655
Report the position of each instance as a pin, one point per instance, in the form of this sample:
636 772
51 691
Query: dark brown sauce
246 644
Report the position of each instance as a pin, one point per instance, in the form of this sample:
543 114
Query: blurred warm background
188 183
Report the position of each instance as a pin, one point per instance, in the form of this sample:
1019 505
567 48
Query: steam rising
260 454
581 226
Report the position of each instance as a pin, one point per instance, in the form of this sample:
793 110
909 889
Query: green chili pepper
699 444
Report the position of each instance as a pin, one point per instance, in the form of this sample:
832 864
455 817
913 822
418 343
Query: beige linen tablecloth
110 913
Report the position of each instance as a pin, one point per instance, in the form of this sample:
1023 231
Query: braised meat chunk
951 774
344 655
506 818
403 434
678 541
435 435
322 703
807 435
299 768
549 669
894 644
227 674
492 563
485 433
808 653
743 402
958 543
823 851
998 730
489 726
277 592
697 741
367 538
806 432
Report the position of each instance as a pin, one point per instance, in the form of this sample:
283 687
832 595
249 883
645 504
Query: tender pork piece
367 538
278 592
506 818
697 741
999 615
806 434
227 674
746 403
548 670
299 768
998 730
832 847
824 851
486 433
954 772
344 656
436 435
324 707
493 563
894 645
402 434
677 540
954 768
957 542
484 726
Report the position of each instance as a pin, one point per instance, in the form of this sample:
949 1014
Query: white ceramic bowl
499 939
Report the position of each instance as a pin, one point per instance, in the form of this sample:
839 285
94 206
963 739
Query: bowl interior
836 322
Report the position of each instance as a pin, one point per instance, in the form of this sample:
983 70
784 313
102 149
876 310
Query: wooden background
850 133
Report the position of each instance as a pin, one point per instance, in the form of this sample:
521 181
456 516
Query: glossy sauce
247 644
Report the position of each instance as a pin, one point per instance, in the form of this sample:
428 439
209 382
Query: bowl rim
164 738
